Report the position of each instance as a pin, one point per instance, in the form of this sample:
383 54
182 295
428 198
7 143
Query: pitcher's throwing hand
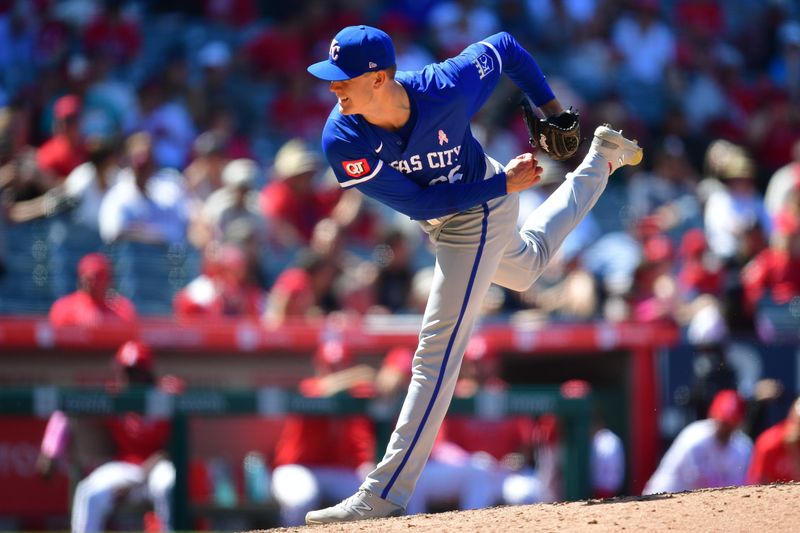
522 172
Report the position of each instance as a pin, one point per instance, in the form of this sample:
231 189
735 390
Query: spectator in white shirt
782 182
82 191
645 43
608 463
147 204
454 24
736 207
236 199
168 120
646 47
707 453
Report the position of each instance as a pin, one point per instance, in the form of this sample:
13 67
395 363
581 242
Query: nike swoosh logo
379 148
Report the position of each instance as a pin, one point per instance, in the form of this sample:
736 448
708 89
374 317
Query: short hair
101 148
136 140
391 71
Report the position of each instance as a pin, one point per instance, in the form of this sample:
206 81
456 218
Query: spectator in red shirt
291 200
289 39
391 381
776 132
222 290
775 272
298 109
140 470
234 13
94 303
776 455
64 150
300 291
652 297
81 193
113 33
321 458
701 18
701 272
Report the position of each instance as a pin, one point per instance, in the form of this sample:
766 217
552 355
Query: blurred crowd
187 132
194 125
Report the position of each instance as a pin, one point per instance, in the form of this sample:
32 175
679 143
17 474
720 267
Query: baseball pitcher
404 138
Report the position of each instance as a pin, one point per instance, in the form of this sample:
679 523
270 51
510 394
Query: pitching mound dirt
770 508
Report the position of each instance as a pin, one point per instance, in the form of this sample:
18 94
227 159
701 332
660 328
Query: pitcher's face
355 95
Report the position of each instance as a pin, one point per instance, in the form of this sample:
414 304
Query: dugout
618 360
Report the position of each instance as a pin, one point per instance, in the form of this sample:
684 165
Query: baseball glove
558 136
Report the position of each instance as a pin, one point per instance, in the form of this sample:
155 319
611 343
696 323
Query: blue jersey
441 169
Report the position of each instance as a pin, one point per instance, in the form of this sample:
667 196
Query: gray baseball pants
473 249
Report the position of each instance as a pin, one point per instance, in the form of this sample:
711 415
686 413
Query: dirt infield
772 508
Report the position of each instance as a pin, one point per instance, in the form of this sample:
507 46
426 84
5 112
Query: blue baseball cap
354 51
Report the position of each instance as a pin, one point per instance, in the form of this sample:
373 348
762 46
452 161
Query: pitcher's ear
380 79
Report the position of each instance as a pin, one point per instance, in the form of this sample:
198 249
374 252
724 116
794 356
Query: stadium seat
25 288
151 274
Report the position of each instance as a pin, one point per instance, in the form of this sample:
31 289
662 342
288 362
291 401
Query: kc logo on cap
354 51
333 53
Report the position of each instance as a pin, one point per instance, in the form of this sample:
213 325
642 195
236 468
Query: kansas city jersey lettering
432 160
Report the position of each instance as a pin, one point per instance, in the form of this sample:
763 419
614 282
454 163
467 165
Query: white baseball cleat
617 149
363 505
